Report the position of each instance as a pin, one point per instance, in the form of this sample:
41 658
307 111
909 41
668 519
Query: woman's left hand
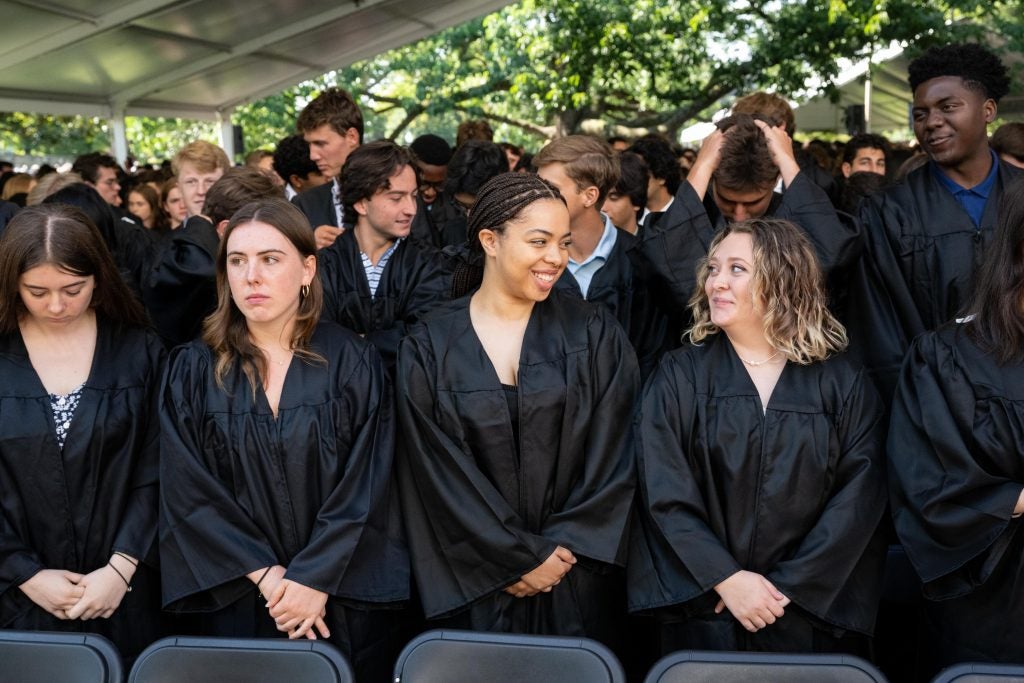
299 610
104 591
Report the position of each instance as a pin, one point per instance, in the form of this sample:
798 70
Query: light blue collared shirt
584 272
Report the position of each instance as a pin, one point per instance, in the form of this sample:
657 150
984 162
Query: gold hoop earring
304 291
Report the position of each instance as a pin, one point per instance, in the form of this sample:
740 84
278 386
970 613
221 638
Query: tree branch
544 132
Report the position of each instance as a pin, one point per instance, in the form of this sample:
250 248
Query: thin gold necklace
756 363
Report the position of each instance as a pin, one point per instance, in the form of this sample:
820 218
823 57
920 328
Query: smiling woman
524 397
78 447
761 474
277 447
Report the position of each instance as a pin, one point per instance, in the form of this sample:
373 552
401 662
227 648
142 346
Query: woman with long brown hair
78 436
760 461
277 515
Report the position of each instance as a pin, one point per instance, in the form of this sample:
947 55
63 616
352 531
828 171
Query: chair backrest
222 660
469 656
58 657
737 667
972 672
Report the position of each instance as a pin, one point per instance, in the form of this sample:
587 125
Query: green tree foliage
547 67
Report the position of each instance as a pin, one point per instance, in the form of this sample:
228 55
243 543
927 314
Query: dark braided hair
500 201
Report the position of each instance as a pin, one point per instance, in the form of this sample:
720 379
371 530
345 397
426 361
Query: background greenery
542 68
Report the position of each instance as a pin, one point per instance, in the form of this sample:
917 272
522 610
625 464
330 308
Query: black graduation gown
955 472
673 243
480 509
72 509
413 282
795 494
309 490
921 251
179 282
622 287
318 205
450 221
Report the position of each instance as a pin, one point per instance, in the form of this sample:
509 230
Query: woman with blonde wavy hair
761 467
277 513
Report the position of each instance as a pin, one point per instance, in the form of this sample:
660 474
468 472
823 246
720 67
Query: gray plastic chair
58 658
472 657
973 672
689 666
226 660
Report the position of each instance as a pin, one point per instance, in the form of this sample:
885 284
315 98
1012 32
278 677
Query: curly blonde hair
788 284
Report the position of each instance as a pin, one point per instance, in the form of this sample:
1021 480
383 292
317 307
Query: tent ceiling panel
195 58
31 23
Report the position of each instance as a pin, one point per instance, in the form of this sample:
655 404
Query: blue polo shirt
972 199
584 272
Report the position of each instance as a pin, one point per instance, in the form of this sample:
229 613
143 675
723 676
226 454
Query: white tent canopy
886 97
195 59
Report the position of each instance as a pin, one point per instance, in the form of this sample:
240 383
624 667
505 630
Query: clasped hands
297 610
69 595
546 576
751 599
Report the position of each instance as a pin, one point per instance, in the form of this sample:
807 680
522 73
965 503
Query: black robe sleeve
179 286
671 246
593 522
677 556
834 234
833 574
137 533
352 522
18 562
465 539
954 474
206 538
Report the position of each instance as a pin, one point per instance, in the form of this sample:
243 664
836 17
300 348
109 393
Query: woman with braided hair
515 403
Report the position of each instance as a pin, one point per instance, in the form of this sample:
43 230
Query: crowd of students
661 400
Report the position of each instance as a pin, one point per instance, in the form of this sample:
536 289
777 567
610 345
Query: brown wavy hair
226 330
787 281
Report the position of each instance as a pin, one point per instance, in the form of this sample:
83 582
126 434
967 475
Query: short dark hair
369 169
291 157
474 129
978 67
334 107
1009 139
633 173
432 149
745 162
660 160
473 164
64 236
864 141
88 165
238 186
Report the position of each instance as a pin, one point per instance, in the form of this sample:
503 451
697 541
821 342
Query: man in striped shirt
376 281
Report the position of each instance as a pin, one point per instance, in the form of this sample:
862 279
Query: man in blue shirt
602 265
924 238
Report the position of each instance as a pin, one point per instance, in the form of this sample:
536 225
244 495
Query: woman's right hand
546 576
55 590
752 599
